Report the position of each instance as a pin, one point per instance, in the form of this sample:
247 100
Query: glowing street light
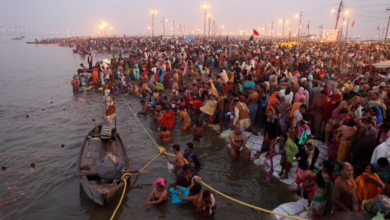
153 13
333 11
283 21
205 7
104 26
101 27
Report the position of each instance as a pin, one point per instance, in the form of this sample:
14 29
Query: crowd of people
290 94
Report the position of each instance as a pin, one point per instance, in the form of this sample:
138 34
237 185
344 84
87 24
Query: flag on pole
353 23
378 28
255 32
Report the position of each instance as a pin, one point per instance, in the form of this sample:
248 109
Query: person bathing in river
145 108
237 140
184 118
206 204
197 131
187 177
197 189
190 155
164 135
158 194
179 159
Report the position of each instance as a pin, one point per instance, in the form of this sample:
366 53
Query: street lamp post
346 31
148 31
387 29
105 29
300 18
153 13
283 21
205 7
163 21
344 14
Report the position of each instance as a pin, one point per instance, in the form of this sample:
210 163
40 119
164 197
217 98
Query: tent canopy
384 64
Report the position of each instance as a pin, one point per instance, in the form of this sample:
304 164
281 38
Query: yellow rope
249 205
124 180
135 116
162 151
29 103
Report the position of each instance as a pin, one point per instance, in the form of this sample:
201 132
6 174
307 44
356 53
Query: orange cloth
273 100
294 107
225 88
367 189
164 137
186 120
168 119
95 76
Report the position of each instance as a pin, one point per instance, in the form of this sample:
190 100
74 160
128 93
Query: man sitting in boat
111 168
82 69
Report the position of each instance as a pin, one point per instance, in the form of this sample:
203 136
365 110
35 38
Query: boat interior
94 150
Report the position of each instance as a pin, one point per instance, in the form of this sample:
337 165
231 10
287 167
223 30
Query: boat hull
92 152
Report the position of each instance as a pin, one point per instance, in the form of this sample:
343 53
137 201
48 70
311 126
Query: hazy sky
133 17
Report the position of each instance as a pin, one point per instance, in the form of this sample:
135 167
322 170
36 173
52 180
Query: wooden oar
128 171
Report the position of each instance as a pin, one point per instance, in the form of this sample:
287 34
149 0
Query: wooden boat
91 154
42 42
16 38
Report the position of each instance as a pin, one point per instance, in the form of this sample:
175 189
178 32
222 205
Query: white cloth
289 97
223 76
297 117
382 150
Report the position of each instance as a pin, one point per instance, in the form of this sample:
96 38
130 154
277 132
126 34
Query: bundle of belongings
379 204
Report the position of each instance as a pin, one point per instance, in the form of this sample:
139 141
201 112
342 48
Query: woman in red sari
75 84
168 118
329 107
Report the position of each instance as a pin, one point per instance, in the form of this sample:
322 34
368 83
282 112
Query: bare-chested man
364 122
145 108
237 140
206 204
197 188
197 131
179 159
221 110
252 102
348 132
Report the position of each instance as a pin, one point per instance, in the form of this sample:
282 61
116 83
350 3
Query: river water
30 75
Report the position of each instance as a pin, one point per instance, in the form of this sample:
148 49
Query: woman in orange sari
168 118
164 135
369 185
273 101
185 118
